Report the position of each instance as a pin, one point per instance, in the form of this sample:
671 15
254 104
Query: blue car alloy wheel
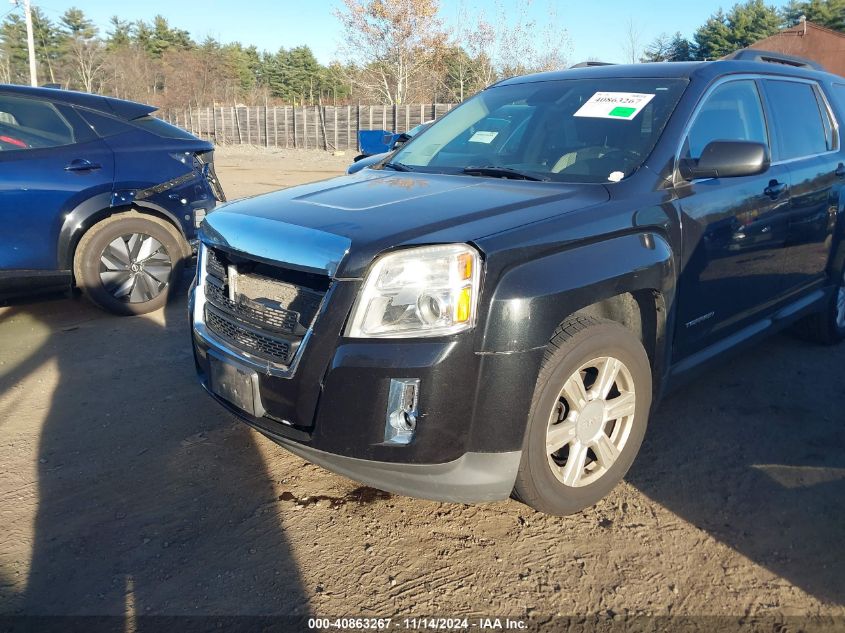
135 268
130 262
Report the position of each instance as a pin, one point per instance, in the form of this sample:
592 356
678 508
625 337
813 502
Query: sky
596 28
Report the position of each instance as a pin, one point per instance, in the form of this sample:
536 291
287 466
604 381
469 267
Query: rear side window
162 128
31 124
103 125
800 122
732 112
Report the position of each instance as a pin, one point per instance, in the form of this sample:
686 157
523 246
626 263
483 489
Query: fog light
402 403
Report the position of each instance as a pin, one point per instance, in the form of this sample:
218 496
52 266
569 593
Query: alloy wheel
591 421
135 268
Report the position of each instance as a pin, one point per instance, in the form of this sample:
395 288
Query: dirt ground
125 491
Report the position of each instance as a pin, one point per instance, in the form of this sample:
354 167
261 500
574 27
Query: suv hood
338 226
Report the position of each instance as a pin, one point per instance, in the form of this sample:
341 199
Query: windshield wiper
397 167
501 172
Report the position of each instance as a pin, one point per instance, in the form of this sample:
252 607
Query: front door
734 228
47 167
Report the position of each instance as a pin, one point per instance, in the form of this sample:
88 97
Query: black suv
495 307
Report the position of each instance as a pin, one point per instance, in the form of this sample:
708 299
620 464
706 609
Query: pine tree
743 25
120 34
827 13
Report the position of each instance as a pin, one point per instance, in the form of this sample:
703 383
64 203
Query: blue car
381 144
97 194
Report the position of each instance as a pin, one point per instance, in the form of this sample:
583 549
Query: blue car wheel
130 262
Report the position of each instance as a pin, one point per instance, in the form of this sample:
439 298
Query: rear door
805 141
50 162
734 228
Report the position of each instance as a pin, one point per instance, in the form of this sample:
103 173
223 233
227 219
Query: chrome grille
261 309
264 346
214 266
284 321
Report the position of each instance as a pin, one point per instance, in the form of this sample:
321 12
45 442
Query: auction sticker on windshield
614 105
483 137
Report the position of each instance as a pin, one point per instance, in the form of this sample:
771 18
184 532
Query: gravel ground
125 491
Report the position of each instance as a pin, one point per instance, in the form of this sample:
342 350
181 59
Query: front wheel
588 416
129 263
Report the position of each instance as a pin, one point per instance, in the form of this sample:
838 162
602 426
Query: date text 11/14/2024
434 624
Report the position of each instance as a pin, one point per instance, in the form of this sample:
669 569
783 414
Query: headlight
422 291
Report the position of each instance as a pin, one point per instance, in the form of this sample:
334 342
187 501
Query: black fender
532 299
99 207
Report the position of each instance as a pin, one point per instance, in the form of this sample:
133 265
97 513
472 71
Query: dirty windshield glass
583 130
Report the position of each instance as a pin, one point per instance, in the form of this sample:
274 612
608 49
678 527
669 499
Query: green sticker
622 112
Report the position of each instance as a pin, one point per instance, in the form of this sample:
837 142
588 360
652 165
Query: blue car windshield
579 130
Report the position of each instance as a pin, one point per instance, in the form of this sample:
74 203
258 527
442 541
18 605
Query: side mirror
403 138
727 159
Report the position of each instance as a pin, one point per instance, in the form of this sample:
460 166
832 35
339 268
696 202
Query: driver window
732 112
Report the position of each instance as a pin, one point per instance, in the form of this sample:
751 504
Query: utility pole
30 42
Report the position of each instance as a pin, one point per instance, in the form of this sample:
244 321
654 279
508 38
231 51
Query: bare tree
131 74
87 58
393 43
631 42
5 68
511 42
660 49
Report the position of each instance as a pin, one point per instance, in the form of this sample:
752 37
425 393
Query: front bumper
330 408
471 478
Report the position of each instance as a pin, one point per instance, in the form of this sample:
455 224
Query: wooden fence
308 127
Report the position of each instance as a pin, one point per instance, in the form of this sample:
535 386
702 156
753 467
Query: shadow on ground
754 454
151 500
154 501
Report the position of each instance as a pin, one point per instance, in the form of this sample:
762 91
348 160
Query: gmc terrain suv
494 308
96 193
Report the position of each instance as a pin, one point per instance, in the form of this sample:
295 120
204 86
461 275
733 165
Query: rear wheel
588 416
128 263
828 326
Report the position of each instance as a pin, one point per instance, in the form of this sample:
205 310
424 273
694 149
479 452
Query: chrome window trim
678 181
831 117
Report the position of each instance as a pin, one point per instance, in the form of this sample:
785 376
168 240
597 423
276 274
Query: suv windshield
580 130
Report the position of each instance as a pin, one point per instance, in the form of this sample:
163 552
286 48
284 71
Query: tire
584 347
828 326
129 263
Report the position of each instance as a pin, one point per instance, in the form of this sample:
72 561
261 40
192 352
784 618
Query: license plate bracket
236 384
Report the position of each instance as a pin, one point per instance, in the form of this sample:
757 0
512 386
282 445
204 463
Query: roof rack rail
754 55
590 64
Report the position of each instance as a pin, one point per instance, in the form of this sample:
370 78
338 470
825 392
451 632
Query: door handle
840 170
775 189
82 164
